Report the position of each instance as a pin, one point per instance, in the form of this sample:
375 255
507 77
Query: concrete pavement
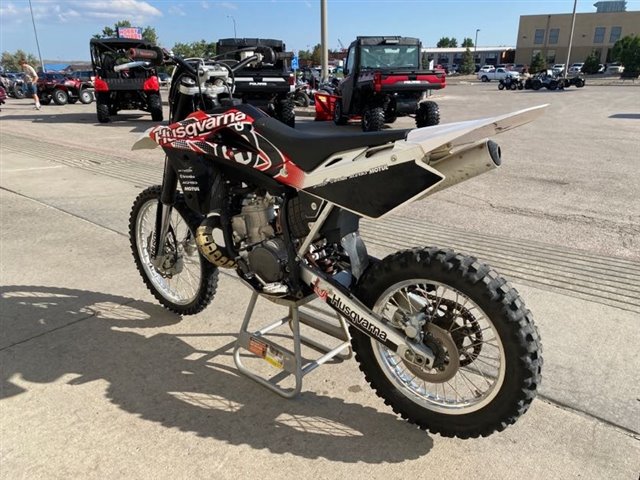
100 382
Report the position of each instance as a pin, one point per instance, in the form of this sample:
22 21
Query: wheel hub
448 357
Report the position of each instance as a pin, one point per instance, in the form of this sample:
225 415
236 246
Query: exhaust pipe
207 245
465 164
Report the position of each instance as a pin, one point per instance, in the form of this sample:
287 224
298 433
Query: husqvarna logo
191 129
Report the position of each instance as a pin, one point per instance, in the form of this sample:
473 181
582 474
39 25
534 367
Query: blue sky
65 26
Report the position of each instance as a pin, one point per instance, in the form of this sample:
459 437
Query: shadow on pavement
138 121
632 116
163 379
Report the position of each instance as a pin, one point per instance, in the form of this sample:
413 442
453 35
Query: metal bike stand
289 362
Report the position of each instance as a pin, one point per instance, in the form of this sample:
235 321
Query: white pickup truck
497 74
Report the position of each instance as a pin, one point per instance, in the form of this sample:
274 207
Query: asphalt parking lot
98 381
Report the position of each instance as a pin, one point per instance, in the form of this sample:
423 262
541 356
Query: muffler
464 164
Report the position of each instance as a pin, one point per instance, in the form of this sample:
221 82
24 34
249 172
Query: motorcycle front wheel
179 277
488 349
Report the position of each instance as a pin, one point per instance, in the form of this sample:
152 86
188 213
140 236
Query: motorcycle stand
290 363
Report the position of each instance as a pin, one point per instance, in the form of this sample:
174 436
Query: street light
234 25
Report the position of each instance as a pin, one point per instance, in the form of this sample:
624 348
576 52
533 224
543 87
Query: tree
199 49
467 42
316 55
11 61
148 33
627 52
591 63
538 63
468 64
445 42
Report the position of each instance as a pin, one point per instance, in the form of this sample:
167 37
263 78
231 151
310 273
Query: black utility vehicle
132 88
383 80
269 86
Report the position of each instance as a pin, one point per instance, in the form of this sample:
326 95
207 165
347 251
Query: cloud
177 10
75 10
227 5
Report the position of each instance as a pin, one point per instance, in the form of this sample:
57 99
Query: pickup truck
497 74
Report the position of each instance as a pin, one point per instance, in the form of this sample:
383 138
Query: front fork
163 212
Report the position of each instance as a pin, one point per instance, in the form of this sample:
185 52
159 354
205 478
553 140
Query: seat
309 150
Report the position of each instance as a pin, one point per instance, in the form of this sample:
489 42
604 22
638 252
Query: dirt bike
440 336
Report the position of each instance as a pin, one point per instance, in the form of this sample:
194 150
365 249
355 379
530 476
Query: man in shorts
30 78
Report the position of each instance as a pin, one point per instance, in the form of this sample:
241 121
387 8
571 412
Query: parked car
486 68
497 74
576 68
615 68
558 68
164 79
87 76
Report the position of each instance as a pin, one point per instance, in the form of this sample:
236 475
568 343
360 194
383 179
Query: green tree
467 42
445 42
627 51
148 33
468 64
538 63
199 49
316 54
11 61
591 63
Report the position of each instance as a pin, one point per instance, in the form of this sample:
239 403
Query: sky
64 27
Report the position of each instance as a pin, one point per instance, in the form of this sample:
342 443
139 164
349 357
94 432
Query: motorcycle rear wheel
491 347
186 282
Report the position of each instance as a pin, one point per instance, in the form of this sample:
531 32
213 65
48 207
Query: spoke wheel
179 277
488 353
460 385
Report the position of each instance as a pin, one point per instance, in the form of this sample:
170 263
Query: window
551 56
535 53
616 33
598 36
401 56
539 38
351 58
554 33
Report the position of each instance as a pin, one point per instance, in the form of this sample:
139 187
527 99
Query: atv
269 86
383 80
553 81
124 87
62 90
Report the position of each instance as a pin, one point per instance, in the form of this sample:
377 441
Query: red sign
130 32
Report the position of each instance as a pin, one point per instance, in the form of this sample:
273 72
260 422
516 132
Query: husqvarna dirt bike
440 336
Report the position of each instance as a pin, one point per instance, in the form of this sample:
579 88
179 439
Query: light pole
36 34
234 25
475 46
573 26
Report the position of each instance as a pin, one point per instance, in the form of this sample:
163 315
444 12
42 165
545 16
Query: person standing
31 79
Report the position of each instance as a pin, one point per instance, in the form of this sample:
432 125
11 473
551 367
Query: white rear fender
446 137
145 142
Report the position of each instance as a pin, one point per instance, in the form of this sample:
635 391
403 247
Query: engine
255 234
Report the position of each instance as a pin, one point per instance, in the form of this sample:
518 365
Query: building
483 55
597 31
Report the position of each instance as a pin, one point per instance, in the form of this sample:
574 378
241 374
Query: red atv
63 90
383 81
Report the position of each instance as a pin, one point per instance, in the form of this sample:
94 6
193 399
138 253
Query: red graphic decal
323 294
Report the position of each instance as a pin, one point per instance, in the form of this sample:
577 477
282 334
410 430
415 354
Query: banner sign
130 32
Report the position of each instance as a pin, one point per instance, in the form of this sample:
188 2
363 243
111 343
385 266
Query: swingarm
365 320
